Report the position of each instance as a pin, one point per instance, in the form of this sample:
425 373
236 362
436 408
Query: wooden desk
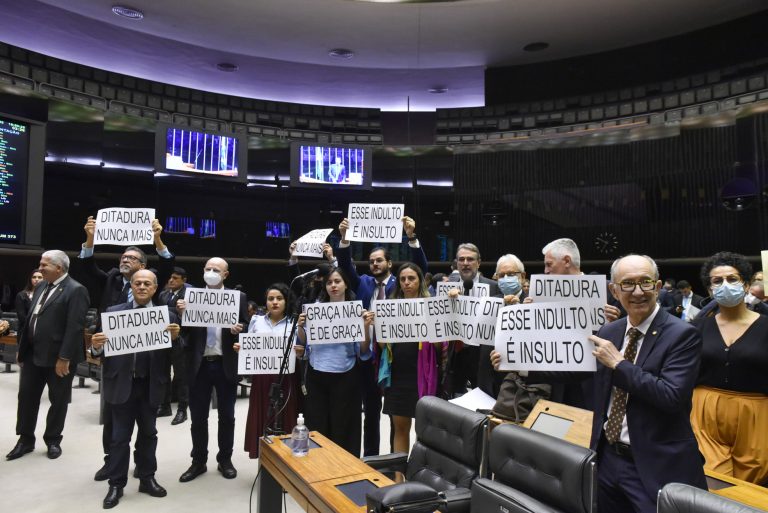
312 479
736 489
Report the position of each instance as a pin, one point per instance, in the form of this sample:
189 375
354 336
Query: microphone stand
276 394
448 381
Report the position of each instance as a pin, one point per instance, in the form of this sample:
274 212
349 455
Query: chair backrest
548 469
449 443
682 498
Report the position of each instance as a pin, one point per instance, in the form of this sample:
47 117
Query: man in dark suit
464 366
50 347
684 299
647 367
368 287
114 286
175 289
212 363
134 385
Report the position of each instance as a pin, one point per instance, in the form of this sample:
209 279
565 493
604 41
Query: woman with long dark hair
412 366
730 402
278 321
333 399
24 298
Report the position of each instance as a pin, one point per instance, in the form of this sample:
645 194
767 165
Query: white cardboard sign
375 222
124 226
546 288
477 290
136 330
335 322
262 353
545 337
311 244
211 308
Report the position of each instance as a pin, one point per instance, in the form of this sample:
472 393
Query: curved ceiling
400 49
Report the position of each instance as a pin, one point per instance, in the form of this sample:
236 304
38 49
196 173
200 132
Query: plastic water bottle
300 438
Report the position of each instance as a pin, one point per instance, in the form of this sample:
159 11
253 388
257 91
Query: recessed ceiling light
127 12
536 47
227 67
341 53
438 90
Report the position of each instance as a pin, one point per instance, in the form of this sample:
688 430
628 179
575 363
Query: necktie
211 337
381 290
127 294
619 407
36 314
140 360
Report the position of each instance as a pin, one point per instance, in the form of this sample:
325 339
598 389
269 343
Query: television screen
207 229
330 166
278 230
184 225
181 150
14 161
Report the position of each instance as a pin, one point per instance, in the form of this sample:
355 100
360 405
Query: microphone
468 284
307 274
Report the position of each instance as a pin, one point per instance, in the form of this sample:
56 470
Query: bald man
212 364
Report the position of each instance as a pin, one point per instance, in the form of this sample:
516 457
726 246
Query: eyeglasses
646 285
130 258
716 281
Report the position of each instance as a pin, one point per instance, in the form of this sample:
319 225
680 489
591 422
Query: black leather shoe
193 471
181 416
103 473
164 410
19 450
227 469
54 451
113 497
149 485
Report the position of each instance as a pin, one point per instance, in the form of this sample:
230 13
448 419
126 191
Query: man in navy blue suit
648 365
377 285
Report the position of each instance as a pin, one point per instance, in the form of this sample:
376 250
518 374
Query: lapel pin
654 332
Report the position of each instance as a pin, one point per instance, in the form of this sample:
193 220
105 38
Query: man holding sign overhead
134 378
211 327
368 287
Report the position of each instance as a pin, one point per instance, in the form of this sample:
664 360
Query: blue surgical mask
510 285
729 294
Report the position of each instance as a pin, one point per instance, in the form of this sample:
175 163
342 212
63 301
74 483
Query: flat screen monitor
357 490
187 152
180 225
551 425
207 229
278 230
331 166
14 163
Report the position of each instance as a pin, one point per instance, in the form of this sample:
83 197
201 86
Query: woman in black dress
24 298
413 365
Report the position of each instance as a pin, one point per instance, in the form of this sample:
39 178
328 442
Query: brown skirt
258 406
732 431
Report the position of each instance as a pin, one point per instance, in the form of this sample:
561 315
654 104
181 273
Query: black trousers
371 406
31 383
211 376
136 410
179 383
333 406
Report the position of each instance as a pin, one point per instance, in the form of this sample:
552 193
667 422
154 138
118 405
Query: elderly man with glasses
114 288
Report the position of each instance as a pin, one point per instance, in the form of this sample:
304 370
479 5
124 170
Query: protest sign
546 288
262 353
335 322
136 330
311 244
211 308
477 290
373 222
124 226
764 259
545 337
437 319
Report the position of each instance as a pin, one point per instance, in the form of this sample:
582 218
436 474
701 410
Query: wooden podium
313 480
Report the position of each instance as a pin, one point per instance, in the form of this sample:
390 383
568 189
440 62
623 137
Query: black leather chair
681 498
535 473
445 458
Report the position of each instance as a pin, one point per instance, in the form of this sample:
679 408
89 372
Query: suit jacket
660 385
117 371
195 340
110 283
365 285
164 298
60 325
676 300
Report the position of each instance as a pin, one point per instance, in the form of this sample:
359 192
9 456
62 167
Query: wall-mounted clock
606 243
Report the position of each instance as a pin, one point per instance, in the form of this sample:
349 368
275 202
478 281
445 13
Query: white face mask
750 299
212 278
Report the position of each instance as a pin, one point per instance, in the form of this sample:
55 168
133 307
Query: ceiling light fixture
227 67
536 47
341 53
127 12
438 90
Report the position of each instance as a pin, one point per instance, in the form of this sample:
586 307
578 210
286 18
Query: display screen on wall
14 162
